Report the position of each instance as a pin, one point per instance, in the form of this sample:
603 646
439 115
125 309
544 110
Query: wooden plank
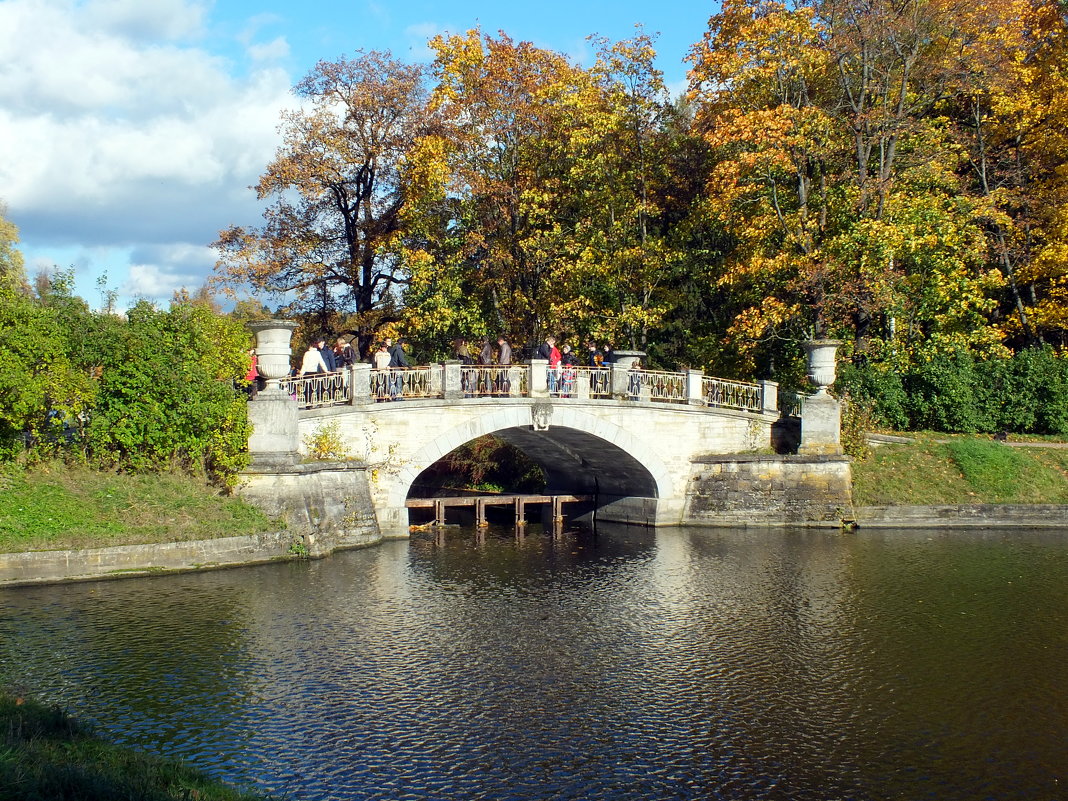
492 500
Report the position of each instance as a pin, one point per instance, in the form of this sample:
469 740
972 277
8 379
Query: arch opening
573 462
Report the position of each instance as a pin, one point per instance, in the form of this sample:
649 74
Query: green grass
960 470
56 506
46 755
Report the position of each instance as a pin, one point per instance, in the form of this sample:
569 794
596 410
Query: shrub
878 391
166 394
942 395
326 444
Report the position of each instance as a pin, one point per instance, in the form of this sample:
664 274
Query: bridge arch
579 451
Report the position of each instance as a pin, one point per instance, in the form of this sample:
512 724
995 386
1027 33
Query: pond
676 664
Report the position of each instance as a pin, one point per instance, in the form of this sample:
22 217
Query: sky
131 130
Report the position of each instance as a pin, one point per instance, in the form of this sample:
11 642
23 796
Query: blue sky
130 130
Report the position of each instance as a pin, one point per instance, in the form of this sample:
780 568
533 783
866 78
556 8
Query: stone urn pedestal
821 415
274 441
623 361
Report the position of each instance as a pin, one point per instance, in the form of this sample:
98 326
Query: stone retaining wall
87 564
767 490
988 515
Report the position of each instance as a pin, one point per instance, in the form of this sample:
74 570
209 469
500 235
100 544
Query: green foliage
326 444
857 421
1034 395
877 389
942 395
41 394
298 550
957 393
166 394
47 755
488 464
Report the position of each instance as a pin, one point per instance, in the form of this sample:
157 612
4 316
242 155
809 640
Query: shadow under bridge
576 462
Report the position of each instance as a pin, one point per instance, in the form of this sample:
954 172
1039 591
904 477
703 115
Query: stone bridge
651 447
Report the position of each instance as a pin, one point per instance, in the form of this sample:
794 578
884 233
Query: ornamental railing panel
562 381
791 404
494 381
396 383
319 390
720 393
600 379
656 385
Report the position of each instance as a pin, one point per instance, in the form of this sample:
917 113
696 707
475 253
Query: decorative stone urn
821 415
821 362
272 348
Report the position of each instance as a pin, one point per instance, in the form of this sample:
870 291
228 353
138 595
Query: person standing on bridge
344 354
380 379
398 361
547 350
312 362
311 365
327 355
504 362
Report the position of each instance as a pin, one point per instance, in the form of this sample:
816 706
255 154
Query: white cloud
115 134
274 50
141 19
155 283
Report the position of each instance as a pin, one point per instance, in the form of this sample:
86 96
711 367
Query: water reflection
677 664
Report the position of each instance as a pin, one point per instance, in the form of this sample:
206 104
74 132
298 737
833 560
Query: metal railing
600 380
316 391
562 381
494 380
657 385
723 394
571 381
399 383
791 404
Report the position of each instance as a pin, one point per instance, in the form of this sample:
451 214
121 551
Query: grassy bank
46 755
935 469
57 506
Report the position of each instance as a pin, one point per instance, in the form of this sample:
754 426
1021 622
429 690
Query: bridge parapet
455 382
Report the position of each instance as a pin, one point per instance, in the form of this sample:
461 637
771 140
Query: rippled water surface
635 665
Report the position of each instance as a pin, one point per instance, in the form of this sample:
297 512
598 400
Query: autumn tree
330 239
837 177
494 182
621 258
1010 112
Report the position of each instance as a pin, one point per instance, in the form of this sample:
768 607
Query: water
681 664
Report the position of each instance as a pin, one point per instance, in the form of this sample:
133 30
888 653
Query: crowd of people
387 357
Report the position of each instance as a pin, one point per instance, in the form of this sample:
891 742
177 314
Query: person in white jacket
313 361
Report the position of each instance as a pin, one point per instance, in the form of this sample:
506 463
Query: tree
12 269
330 239
493 181
1009 112
837 178
621 257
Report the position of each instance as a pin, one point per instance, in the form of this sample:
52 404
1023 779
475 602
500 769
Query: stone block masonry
765 490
